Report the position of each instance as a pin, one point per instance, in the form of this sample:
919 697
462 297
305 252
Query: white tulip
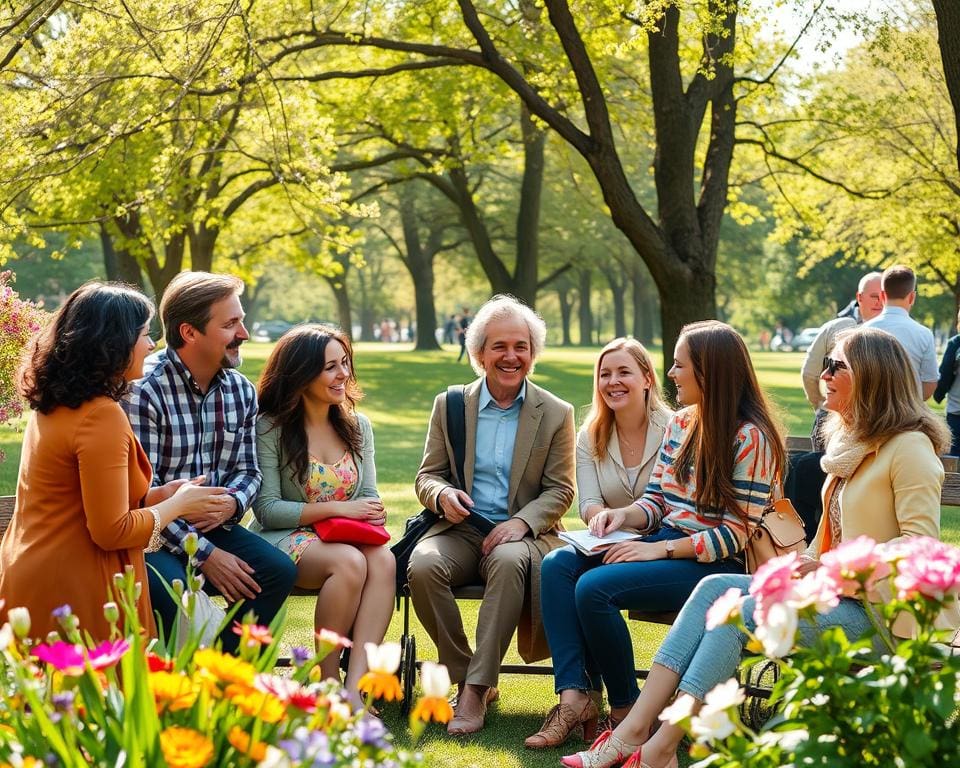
435 680
20 621
383 658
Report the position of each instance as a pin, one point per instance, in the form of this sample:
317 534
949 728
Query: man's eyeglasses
832 366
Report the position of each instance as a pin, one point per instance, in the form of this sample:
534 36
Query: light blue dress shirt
916 339
496 435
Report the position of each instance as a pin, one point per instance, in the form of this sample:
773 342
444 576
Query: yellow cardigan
895 492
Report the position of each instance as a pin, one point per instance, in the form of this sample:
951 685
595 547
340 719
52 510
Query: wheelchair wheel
408 672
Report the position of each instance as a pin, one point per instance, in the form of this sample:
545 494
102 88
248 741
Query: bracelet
155 540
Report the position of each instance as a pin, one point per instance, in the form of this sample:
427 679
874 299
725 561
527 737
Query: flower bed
72 702
875 701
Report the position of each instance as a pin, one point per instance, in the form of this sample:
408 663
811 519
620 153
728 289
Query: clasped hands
455 506
609 520
203 506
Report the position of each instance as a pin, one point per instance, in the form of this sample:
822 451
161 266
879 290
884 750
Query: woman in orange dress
85 509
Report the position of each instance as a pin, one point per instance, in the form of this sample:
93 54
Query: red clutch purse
345 530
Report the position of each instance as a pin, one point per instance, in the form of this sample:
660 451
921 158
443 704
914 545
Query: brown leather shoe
471 710
563 720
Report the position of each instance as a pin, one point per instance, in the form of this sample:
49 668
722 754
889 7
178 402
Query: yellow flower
241 741
173 691
185 748
256 703
435 681
226 668
380 682
26 762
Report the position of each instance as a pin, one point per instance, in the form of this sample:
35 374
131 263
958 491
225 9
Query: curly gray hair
504 307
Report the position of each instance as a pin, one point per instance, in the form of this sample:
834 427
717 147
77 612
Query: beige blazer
605 482
541 484
895 492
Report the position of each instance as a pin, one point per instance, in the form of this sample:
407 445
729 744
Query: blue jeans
953 421
705 659
592 644
274 571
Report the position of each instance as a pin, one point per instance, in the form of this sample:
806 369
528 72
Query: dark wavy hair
84 351
296 360
730 395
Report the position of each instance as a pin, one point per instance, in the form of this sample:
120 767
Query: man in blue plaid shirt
195 415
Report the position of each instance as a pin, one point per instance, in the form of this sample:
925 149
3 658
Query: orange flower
225 668
241 741
431 708
172 691
256 703
185 748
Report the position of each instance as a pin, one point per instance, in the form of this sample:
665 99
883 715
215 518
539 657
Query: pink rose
856 564
817 588
927 567
773 583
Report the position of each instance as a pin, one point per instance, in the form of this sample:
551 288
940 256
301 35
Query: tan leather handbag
779 531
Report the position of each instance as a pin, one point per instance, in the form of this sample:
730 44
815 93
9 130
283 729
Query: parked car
270 330
803 340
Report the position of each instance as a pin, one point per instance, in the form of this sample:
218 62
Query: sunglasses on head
832 366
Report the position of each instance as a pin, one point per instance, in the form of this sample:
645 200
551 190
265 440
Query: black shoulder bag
419 524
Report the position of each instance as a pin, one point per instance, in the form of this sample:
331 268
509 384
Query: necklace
626 447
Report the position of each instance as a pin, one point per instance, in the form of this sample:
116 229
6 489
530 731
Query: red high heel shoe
607 751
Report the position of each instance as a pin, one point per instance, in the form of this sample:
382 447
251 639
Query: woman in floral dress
316 454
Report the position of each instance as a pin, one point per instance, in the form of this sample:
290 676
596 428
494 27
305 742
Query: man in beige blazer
519 472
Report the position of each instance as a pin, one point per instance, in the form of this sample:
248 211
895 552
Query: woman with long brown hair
316 454
721 457
883 481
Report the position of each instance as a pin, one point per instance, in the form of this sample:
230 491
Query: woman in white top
616 450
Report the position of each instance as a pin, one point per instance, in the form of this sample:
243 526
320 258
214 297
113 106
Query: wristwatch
669 544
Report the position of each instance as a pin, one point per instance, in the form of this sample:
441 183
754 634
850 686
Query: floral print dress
325 482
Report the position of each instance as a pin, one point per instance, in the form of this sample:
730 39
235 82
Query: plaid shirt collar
188 381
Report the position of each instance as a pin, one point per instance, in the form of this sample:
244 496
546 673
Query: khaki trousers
453 559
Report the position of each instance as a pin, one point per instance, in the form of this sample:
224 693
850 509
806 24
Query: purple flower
62 611
309 748
300 655
371 730
63 702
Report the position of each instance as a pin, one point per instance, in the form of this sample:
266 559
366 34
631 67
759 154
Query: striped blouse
716 534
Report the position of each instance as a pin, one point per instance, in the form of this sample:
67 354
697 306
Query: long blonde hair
600 421
884 400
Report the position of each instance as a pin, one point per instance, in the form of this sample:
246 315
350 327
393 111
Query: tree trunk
338 284
584 313
680 305
419 263
618 288
203 239
948 32
119 264
643 304
340 293
566 311
528 213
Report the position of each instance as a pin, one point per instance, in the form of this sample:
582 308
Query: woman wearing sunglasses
721 455
883 481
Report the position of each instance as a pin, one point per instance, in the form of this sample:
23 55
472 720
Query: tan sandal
561 721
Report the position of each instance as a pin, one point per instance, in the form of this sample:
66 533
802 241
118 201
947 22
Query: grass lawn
400 386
